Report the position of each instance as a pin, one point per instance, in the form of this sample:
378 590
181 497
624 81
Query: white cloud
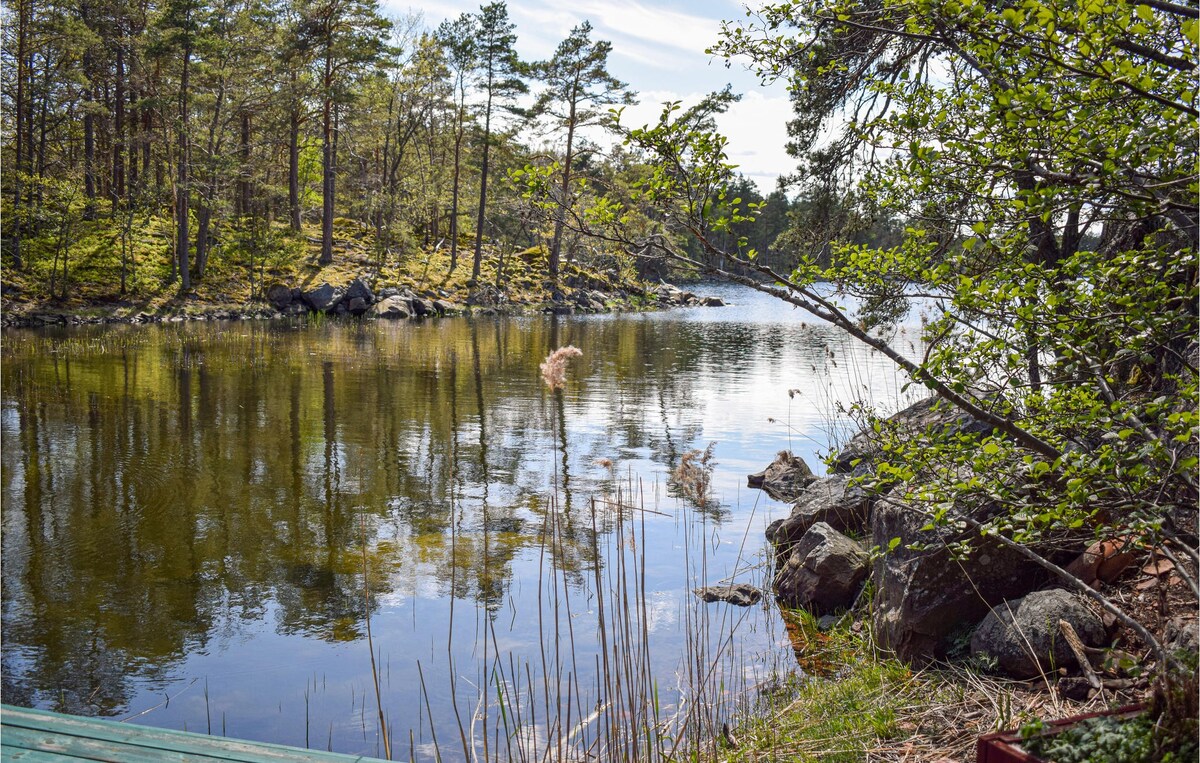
658 48
756 127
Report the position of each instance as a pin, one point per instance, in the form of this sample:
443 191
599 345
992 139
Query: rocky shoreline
358 299
923 597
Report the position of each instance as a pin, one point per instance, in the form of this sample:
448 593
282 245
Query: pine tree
499 72
578 87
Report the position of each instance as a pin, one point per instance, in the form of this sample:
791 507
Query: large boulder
394 308
322 298
1023 637
421 307
785 478
823 572
834 500
924 594
279 295
930 414
358 289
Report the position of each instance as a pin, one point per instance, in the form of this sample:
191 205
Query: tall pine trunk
118 144
327 178
203 220
243 200
294 169
182 195
89 158
134 138
483 181
565 201
19 164
458 139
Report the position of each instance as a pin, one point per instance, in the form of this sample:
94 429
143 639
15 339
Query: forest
170 146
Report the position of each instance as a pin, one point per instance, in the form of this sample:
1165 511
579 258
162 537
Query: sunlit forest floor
121 273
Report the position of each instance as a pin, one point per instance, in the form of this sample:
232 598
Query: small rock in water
785 478
739 594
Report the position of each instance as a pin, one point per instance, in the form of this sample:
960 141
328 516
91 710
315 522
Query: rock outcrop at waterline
360 299
923 594
822 572
784 479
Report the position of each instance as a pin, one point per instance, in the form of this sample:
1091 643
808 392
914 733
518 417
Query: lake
201 521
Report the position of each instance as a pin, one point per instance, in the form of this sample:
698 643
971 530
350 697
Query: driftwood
1081 657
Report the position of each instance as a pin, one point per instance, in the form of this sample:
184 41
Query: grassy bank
850 701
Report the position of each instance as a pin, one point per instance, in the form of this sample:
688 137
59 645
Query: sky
658 49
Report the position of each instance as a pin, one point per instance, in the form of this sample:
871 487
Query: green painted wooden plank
27 756
74 747
89 737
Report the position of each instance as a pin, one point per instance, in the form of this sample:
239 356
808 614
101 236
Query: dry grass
693 476
554 368
852 702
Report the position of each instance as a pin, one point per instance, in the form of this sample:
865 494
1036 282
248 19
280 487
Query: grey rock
1074 687
924 595
823 571
393 308
358 289
583 300
388 291
712 302
421 307
1023 637
1180 634
828 622
669 294
356 305
739 594
833 500
923 416
279 295
322 298
444 307
785 478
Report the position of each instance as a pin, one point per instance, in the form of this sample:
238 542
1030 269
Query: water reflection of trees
159 484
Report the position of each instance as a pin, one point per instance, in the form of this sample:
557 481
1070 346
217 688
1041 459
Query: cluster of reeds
596 688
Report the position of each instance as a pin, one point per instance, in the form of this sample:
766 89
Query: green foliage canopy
1043 156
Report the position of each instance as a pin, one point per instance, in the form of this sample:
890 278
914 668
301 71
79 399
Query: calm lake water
188 510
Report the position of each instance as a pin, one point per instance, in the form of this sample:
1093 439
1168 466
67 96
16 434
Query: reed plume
693 476
554 369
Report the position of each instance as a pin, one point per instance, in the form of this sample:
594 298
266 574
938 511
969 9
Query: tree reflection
163 484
